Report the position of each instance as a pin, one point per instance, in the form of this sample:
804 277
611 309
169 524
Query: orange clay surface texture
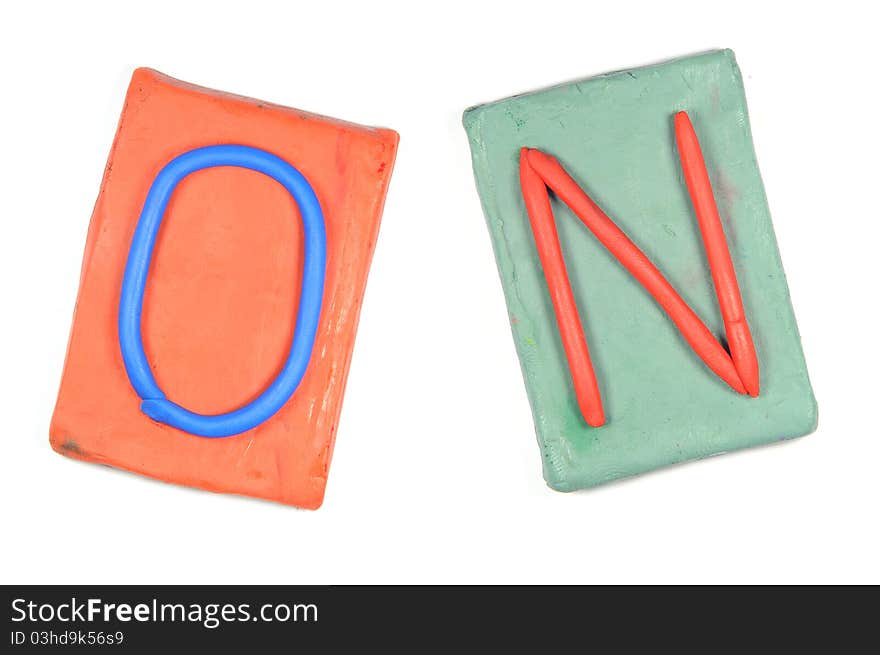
221 298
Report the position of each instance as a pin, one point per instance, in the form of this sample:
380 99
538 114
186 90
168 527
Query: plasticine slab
221 300
614 134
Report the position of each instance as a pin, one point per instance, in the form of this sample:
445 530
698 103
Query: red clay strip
739 338
539 171
586 388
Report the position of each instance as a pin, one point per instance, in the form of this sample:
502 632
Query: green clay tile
614 134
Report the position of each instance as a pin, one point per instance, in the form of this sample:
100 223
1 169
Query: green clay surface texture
615 135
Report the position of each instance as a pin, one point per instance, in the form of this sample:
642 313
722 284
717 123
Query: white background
436 475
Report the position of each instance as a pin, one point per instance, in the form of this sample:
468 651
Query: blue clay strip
154 404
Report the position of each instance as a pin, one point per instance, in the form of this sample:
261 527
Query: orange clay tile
221 297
